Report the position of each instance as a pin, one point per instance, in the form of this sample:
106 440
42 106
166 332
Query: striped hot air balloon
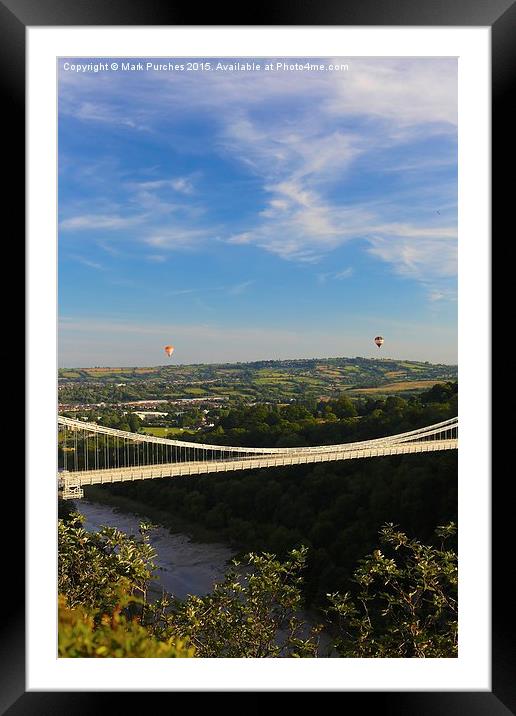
379 341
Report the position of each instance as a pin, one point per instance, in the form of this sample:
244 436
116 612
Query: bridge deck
149 472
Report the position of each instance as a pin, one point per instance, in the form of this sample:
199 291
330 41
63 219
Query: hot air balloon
169 350
379 341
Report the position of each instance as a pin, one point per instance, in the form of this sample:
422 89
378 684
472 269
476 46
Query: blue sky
258 215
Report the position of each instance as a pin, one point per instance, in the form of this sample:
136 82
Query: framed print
255 202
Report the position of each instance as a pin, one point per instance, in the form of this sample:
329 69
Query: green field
162 432
261 381
399 387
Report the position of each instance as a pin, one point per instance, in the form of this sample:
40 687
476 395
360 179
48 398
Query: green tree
134 422
84 633
406 601
344 407
252 613
92 565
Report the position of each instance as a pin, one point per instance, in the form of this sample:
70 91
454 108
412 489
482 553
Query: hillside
260 381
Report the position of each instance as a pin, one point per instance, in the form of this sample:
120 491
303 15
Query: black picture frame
500 15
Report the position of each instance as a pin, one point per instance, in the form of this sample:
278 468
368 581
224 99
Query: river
184 567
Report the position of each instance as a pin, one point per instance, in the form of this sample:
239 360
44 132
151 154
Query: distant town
170 399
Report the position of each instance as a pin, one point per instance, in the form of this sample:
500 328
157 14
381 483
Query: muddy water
184 567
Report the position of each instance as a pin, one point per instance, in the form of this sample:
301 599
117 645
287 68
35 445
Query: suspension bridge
91 454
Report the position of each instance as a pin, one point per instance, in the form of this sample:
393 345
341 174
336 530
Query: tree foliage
84 633
253 613
406 601
402 604
103 607
335 508
92 566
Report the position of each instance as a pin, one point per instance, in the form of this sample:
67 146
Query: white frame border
471 670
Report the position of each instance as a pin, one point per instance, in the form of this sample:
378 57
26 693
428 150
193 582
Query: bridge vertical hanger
170 458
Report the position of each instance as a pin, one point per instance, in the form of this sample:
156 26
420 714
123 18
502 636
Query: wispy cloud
182 291
177 237
301 163
335 275
163 195
109 249
87 262
87 222
105 113
236 289
183 185
346 273
245 238
442 294
405 93
330 130
240 288
156 258
421 255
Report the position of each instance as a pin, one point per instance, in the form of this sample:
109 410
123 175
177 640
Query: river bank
190 560
174 522
184 566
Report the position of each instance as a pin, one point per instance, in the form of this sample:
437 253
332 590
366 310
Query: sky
245 215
